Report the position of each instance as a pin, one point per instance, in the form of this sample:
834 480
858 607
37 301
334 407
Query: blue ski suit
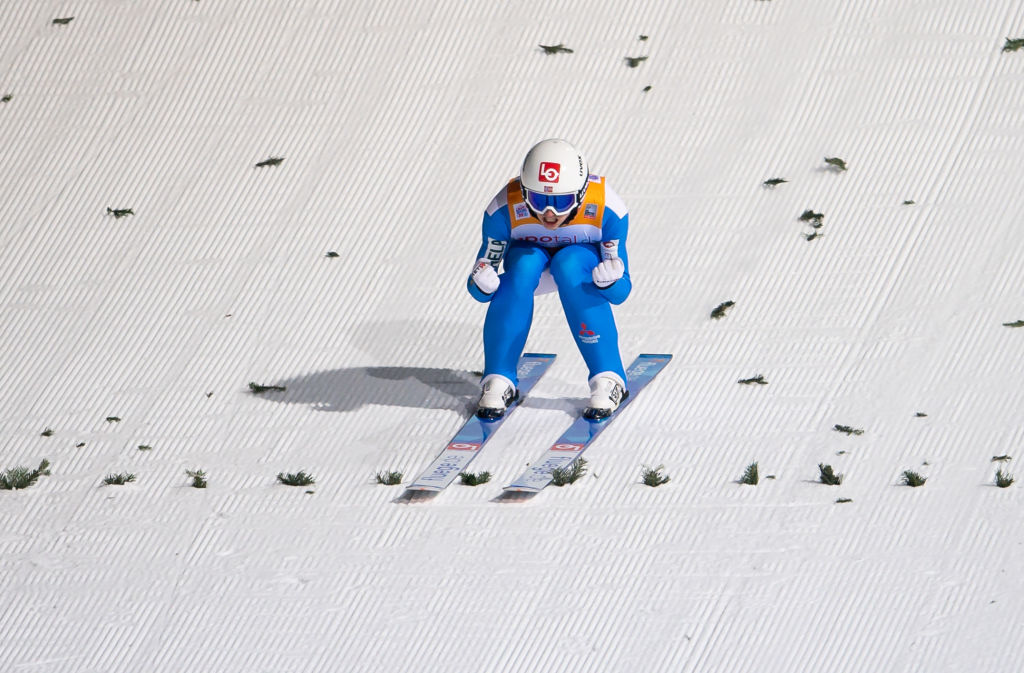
535 258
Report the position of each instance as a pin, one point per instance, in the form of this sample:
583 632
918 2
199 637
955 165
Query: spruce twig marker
836 163
771 183
1013 44
812 218
300 478
259 388
272 161
556 48
652 476
828 476
751 475
64 21
758 380
719 311
560 476
198 478
118 213
634 61
473 479
913 479
389 478
19 477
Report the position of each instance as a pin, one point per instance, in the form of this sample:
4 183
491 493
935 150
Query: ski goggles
560 203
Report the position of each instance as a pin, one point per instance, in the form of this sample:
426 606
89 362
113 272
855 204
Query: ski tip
660 356
550 356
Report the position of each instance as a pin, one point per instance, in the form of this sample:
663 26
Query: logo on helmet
549 171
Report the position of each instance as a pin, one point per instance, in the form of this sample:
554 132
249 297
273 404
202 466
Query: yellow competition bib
585 227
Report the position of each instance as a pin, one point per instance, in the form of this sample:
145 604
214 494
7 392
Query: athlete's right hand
485 277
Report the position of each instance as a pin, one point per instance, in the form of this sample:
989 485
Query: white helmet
554 176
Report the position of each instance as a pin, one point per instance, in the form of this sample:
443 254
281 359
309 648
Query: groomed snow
397 121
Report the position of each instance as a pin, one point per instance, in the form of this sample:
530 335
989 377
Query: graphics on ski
582 432
468 441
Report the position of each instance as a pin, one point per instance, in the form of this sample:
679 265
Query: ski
582 432
467 442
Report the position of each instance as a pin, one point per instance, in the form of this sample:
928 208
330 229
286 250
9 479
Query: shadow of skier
353 388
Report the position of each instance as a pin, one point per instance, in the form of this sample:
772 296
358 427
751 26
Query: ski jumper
511 234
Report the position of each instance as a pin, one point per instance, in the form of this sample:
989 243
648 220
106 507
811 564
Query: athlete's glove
607 272
485 277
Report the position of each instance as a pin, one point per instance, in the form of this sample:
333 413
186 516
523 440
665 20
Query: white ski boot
498 394
607 390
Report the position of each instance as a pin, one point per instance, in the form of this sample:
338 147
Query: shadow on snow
353 388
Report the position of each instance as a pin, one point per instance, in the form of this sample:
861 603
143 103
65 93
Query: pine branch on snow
828 476
719 311
1013 44
471 479
389 478
198 478
913 479
299 478
652 476
259 388
22 477
835 162
560 476
812 218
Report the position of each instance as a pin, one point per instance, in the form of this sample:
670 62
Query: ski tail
575 440
467 442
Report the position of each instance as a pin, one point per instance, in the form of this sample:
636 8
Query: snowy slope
396 123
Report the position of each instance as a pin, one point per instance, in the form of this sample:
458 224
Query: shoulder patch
522 212
614 202
499 201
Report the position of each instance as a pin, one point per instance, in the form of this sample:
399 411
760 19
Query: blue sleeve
496 234
615 227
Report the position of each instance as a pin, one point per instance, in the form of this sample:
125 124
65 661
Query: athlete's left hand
607 272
